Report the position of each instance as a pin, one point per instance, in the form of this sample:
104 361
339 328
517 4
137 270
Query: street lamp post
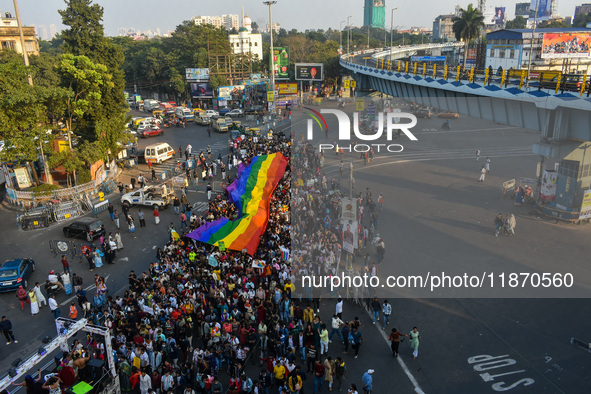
392 31
341 30
272 71
348 34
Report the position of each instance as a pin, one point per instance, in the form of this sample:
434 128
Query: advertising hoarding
201 90
232 92
197 74
427 58
499 18
586 206
544 9
566 45
522 9
548 188
281 62
309 71
287 88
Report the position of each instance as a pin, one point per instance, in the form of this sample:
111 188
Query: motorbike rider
445 125
54 279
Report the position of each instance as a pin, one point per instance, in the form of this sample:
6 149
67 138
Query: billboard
522 9
566 45
427 58
286 88
586 206
499 18
281 62
308 71
197 74
201 90
233 92
544 9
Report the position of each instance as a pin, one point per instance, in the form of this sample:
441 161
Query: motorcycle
51 288
446 126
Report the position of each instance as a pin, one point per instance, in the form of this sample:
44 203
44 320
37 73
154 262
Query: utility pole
351 180
272 70
22 37
341 29
392 31
531 45
348 36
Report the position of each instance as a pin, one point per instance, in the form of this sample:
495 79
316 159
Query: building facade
247 42
229 21
510 48
10 38
443 28
374 13
582 9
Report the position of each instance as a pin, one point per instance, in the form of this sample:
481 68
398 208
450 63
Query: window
501 53
256 44
8 45
586 171
569 168
151 152
512 53
160 152
30 46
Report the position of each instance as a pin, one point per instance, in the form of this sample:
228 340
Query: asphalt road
438 218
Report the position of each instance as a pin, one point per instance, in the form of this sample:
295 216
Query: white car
211 113
235 113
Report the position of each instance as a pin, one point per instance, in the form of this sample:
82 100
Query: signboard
542 7
309 71
270 96
360 105
348 209
22 177
586 205
197 74
548 188
201 90
427 58
499 18
350 236
353 83
233 92
281 62
522 9
347 84
566 45
287 88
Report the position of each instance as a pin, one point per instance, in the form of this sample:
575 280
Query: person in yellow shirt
295 383
308 314
279 371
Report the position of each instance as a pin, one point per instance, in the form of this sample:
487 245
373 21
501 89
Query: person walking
73 311
116 219
352 389
130 224
477 154
34 304
368 381
54 307
183 221
329 366
498 224
482 174
386 312
39 294
394 338
177 205
156 215
23 297
356 340
487 165
319 372
154 174
336 328
65 264
208 191
6 327
118 240
414 341
140 215
375 310
111 210
340 372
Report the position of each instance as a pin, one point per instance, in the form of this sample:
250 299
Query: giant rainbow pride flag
251 193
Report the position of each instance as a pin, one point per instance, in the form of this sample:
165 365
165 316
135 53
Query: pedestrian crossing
220 147
200 207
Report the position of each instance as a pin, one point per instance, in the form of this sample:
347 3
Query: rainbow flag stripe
251 193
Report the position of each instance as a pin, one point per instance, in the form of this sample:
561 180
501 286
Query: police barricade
35 220
109 187
178 181
100 206
67 210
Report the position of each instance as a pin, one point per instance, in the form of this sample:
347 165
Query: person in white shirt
336 328
339 308
145 383
54 307
40 297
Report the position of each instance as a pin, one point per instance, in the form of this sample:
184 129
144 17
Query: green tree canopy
518 23
467 26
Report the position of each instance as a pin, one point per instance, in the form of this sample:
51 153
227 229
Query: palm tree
467 26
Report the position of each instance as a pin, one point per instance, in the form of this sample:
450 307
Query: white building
229 21
276 28
247 42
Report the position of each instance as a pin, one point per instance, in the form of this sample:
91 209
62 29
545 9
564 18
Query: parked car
568 82
87 228
224 111
211 113
236 112
15 273
423 113
152 132
449 115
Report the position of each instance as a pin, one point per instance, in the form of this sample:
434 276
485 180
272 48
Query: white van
150 105
184 113
158 153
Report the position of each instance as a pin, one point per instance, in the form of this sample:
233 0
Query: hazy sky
290 14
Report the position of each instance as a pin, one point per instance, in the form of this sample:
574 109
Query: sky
290 14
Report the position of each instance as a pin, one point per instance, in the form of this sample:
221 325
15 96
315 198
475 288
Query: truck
150 196
220 125
167 108
202 118
184 113
151 105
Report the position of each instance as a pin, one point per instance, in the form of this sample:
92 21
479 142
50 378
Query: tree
518 23
467 26
255 27
23 114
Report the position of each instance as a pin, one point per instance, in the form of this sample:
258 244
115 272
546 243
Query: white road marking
409 374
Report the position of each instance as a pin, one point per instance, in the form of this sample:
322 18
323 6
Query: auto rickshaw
157 113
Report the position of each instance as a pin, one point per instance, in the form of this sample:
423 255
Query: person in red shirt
156 215
135 379
65 264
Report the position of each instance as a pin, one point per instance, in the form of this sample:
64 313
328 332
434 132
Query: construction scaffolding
233 66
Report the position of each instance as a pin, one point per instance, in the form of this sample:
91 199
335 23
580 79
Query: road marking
409 374
124 259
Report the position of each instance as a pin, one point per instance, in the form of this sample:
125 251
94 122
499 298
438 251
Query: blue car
15 273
